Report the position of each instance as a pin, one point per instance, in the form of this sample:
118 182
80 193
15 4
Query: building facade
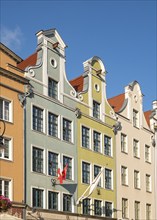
95 142
134 156
11 118
50 134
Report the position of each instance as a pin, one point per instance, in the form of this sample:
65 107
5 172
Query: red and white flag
62 175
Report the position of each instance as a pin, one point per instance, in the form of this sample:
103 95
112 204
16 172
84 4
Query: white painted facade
134 196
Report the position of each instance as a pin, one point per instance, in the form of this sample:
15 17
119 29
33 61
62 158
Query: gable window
67 203
53 88
97 170
52 163
123 143
5 110
108 209
135 118
85 172
6 152
5 188
37 119
37 160
136 179
108 179
85 137
96 110
124 175
53 200
97 207
136 149
147 154
107 147
53 124
124 208
68 161
67 130
38 198
96 140
86 206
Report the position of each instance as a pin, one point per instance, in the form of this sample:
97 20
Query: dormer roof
30 61
117 102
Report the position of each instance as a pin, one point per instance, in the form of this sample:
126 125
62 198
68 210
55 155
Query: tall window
147 153
96 109
53 88
5 188
53 200
124 208
5 110
96 140
67 130
53 124
148 183
108 179
97 207
136 148
137 210
135 118
136 179
6 152
37 160
67 203
38 198
52 163
85 137
85 172
124 143
86 206
107 147
97 170
108 209
148 211
124 175
37 119
68 160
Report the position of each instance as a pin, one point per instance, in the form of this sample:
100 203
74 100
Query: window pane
96 138
67 203
68 160
53 200
85 137
96 110
53 125
108 180
37 160
86 206
97 207
38 198
53 163
85 172
53 89
107 147
108 209
66 130
97 170
37 119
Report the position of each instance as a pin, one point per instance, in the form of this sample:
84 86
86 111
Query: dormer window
53 88
135 118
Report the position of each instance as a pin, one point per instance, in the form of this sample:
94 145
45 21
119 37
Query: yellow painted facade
11 84
96 91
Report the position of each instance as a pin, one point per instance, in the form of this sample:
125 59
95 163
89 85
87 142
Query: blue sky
122 33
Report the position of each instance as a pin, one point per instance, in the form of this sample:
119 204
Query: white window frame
10 192
100 141
44 166
137 211
72 164
38 106
135 118
137 184
148 183
10 109
98 118
147 153
58 121
72 129
2 151
72 201
105 135
125 208
124 176
136 153
105 207
106 168
124 144
59 200
90 172
90 206
89 136
97 199
148 211
39 188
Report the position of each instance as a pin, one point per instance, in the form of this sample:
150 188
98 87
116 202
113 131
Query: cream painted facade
134 159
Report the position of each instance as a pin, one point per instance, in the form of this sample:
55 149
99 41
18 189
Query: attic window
53 62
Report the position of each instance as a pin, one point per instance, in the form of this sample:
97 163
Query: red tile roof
30 61
116 102
77 83
147 116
